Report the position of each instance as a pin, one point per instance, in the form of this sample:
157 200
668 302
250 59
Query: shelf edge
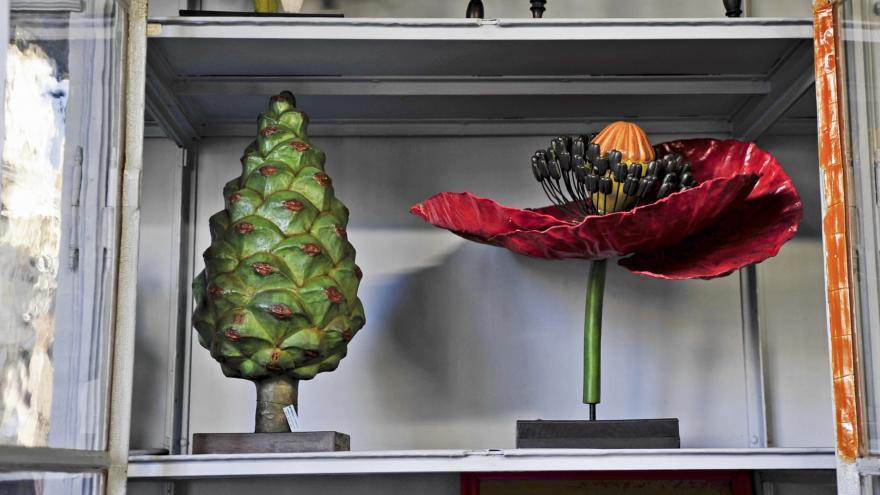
402 462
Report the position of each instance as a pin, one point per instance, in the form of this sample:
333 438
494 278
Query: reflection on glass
28 483
30 234
60 155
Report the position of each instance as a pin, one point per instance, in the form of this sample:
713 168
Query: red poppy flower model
699 208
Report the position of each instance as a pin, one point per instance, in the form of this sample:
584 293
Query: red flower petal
660 224
479 219
755 231
742 212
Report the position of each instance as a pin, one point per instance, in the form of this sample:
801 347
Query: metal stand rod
756 411
592 412
537 8
475 10
733 8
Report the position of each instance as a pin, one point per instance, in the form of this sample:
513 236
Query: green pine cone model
277 301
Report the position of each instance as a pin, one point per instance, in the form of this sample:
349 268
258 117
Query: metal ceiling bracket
793 77
469 86
471 127
163 104
756 410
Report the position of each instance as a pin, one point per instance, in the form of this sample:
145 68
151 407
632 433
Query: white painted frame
455 461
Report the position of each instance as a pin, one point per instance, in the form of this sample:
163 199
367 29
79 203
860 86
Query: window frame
113 461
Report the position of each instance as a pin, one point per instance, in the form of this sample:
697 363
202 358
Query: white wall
463 339
517 8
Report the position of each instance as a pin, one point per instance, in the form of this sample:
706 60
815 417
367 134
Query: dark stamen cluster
580 180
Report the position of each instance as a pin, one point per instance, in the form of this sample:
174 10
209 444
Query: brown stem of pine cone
273 395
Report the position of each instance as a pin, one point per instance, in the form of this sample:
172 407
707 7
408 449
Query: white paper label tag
292 418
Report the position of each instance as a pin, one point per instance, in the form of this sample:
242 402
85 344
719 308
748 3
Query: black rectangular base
263 443
601 434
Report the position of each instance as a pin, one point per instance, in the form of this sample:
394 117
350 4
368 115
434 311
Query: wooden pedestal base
602 434
257 443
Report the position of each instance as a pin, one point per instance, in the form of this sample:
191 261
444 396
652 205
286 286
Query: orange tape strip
834 227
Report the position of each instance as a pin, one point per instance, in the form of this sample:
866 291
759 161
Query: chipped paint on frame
835 222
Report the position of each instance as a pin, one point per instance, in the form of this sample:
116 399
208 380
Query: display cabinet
446 364
461 340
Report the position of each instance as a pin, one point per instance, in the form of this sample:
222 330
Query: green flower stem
593 332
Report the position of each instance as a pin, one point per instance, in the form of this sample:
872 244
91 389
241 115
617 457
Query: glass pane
58 189
51 483
870 485
791 309
862 78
